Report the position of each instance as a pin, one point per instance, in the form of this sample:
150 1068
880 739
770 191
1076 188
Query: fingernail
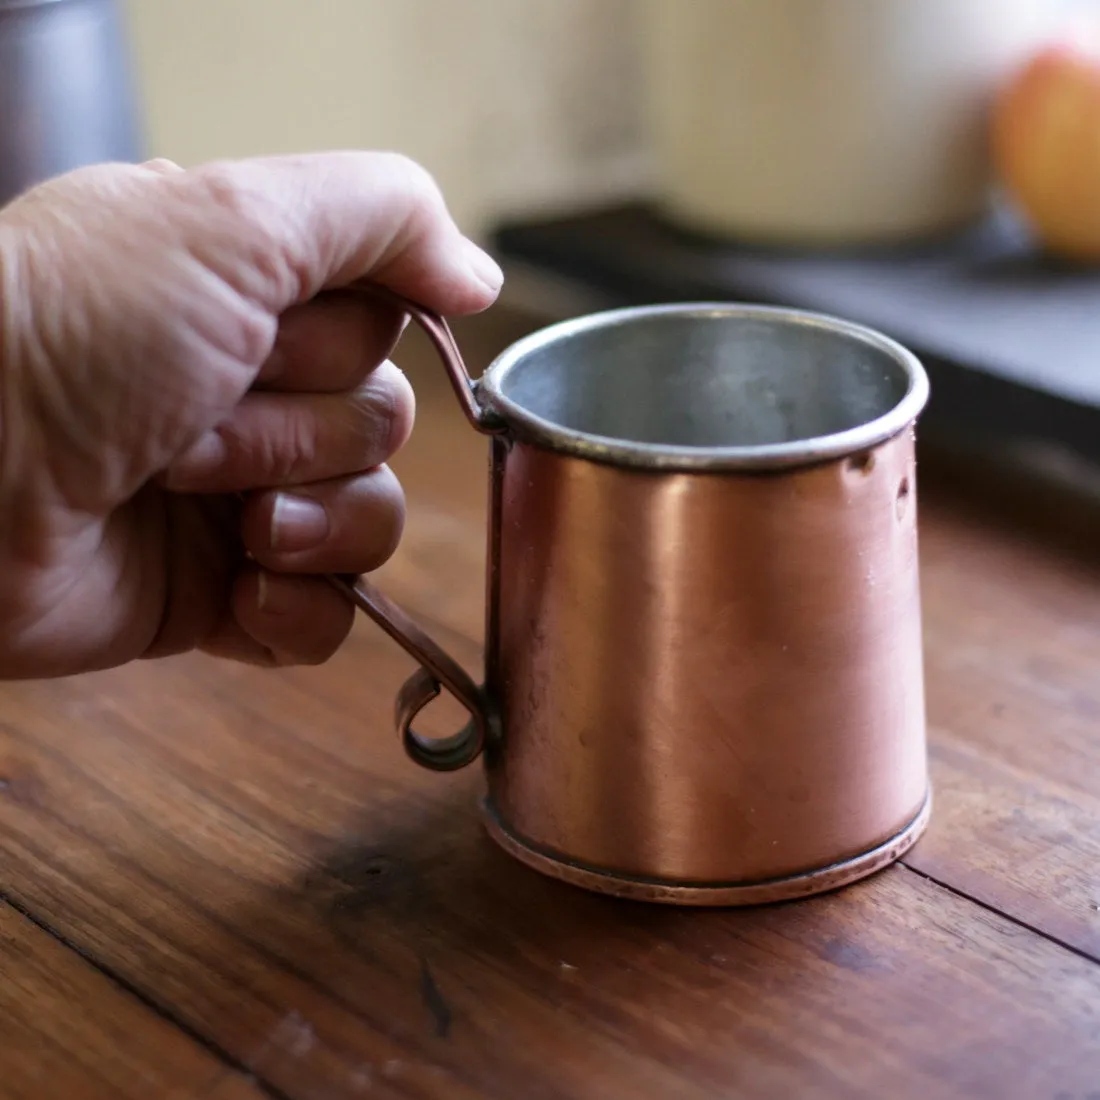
274 596
297 523
483 267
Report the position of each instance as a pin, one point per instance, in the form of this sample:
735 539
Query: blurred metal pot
66 95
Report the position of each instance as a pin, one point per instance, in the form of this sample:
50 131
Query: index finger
306 223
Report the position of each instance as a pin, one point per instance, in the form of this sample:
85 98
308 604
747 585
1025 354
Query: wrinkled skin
194 415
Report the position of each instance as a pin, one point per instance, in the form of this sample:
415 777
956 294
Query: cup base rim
732 894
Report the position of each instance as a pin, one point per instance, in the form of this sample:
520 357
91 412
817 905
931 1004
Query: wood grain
1013 671
68 1031
254 854
350 924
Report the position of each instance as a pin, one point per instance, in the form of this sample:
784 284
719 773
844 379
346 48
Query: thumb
320 221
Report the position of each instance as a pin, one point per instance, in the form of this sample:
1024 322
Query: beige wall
512 104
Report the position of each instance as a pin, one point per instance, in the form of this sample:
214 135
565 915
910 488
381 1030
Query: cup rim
770 456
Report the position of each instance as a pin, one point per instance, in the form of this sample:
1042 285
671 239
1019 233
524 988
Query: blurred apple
1046 146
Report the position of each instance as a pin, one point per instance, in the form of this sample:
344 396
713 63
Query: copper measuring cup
703 670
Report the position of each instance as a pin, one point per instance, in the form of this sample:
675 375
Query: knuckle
161 165
294 453
369 517
369 419
415 178
425 206
284 453
238 337
228 188
238 195
384 407
248 333
236 191
388 515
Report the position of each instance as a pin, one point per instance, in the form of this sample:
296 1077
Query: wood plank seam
286 964
203 1041
1027 927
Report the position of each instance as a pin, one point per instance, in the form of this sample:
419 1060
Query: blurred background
527 106
737 115
514 105
928 167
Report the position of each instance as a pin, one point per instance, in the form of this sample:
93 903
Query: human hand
184 378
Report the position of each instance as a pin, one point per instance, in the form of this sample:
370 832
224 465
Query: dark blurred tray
1011 340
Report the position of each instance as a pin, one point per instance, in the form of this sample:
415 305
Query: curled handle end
444 754
437 669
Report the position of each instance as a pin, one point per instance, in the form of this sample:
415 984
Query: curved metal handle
437 668
439 332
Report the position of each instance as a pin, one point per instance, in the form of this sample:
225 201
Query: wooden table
223 883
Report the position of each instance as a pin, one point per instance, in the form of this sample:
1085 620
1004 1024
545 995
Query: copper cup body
704 620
